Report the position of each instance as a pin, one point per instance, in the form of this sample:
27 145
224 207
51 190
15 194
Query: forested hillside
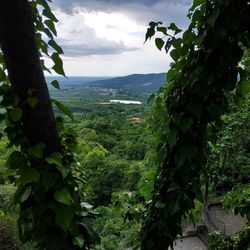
78 171
147 83
117 159
115 155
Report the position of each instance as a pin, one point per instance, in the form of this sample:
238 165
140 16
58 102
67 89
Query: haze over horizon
105 37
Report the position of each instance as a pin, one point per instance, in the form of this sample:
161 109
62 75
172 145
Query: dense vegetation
97 189
118 164
206 66
115 155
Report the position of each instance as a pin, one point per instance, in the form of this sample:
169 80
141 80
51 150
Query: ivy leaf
63 108
150 33
64 217
154 24
48 33
55 46
55 158
55 84
170 75
48 13
49 180
175 54
16 114
160 204
188 37
174 28
37 150
162 30
159 43
16 160
172 138
177 43
197 3
28 175
79 241
32 101
22 194
174 208
63 196
2 75
50 24
64 170
243 87
58 64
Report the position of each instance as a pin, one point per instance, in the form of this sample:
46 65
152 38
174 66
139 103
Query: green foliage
63 108
58 64
228 161
238 241
4 153
48 192
119 224
195 94
115 167
194 215
149 170
108 178
238 200
6 197
115 163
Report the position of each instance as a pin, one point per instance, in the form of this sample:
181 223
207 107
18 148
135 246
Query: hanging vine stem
206 64
49 193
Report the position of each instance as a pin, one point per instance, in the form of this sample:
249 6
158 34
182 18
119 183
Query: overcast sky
105 37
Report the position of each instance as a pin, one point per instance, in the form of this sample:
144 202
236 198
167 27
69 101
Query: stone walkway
189 243
216 218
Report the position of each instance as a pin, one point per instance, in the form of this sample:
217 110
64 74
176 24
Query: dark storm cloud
142 11
112 4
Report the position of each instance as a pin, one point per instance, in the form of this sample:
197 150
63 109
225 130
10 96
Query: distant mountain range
135 82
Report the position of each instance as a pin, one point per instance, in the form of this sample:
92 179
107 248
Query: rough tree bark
17 41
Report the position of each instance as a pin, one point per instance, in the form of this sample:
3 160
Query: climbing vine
49 187
206 65
238 241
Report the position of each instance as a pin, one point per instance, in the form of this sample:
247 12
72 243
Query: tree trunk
17 40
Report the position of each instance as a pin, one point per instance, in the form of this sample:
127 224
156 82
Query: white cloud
105 37
142 61
79 39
